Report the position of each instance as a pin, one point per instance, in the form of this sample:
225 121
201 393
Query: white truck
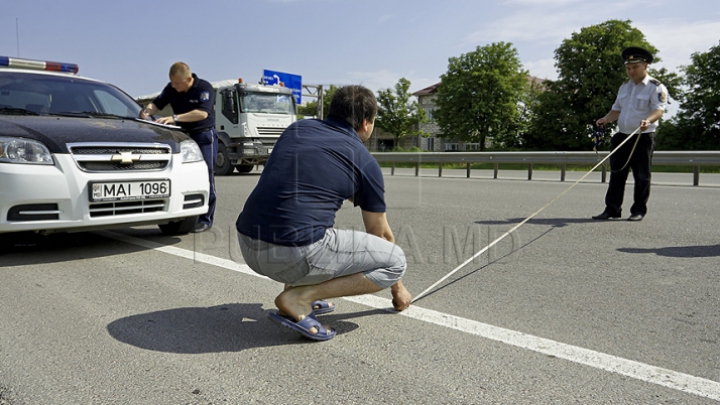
249 119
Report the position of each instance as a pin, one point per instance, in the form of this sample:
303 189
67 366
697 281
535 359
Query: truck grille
120 157
270 131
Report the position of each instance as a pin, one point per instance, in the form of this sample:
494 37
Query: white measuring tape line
493 243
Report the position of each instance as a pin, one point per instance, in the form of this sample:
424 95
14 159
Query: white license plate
129 190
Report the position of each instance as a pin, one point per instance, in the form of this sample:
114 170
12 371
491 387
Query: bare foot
291 303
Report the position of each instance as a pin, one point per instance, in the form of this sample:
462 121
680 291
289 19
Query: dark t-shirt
200 96
313 168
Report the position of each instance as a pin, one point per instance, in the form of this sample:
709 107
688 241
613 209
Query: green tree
308 110
481 93
529 102
397 114
697 124
590 72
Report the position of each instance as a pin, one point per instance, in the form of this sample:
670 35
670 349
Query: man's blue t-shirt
313 168
200 96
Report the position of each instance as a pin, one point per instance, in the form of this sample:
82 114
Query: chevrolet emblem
125 158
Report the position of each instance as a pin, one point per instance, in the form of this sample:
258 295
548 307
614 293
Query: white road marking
629 368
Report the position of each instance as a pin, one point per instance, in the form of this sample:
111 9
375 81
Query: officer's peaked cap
635 54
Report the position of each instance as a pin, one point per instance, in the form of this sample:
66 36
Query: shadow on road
27 248
679 251
222 328
556 222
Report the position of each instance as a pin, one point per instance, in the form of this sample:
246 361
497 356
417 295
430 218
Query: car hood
57 132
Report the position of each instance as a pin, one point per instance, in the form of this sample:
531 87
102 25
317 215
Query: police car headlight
20 150
190 151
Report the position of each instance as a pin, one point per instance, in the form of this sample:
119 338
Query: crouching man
286 227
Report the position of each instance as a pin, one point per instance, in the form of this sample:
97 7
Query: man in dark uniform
640 103
192 100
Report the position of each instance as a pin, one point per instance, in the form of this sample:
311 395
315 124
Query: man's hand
166 121
401 296
644 124
149 110
602 121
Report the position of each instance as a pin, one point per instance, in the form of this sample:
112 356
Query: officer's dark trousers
208 142
640 164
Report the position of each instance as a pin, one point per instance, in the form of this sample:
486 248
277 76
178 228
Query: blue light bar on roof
20 63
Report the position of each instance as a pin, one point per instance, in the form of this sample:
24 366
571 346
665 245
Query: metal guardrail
696 159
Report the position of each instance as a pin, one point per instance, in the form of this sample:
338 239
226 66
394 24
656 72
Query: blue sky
372 42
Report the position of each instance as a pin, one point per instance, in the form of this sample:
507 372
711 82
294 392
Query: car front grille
108 209
117 167
120 157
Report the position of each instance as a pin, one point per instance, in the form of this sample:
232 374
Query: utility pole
316 91
17 36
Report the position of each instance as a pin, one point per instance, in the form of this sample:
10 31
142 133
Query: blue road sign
294 82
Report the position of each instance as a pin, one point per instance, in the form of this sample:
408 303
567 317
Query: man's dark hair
354 104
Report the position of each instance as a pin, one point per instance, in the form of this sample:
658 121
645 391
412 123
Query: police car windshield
268 103
50 94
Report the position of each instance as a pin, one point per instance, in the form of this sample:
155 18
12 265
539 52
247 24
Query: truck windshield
267 103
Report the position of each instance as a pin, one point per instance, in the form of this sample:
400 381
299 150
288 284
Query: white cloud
385 79
677 40
544 22
384 18
544 69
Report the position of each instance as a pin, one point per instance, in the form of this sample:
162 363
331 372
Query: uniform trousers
207 140
640 163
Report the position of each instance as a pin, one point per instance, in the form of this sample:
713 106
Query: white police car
74 157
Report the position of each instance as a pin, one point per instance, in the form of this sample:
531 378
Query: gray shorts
340 253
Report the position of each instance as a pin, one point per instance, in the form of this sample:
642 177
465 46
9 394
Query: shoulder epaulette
655 82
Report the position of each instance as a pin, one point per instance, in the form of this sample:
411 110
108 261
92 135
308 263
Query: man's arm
190 116
609 117
376 224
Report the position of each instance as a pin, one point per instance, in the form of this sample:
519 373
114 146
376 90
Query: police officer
640 103
192 100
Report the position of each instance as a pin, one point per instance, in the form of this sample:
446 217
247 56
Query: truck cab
249 119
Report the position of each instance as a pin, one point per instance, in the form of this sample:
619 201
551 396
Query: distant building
382 141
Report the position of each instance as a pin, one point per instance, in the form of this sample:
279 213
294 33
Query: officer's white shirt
636 101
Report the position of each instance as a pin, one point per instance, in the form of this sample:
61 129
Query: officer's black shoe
635 217
201 227
606 215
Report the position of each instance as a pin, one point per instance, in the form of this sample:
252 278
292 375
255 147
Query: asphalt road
563 310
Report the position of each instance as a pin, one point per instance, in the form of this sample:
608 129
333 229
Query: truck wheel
244 168
222 163
179 227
